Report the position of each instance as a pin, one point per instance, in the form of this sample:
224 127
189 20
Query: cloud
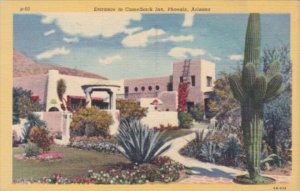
50 32
92 24
71 40
236 57
188 20
133 30
110 59
214 57
180 52
54 52
180 38
141 39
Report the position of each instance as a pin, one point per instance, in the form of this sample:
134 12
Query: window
208 81
193 79
181 79
136 89
126 91
157 87
170 86
143 88
52 109
150 88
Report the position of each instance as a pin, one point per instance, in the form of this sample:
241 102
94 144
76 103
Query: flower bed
93 143
100 147
163 169
48 155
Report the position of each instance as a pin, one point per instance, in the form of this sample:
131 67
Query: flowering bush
56 179
41 136
163 169
97 146
167 171
182 96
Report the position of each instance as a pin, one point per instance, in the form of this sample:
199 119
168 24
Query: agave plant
33 120
266 162
140 144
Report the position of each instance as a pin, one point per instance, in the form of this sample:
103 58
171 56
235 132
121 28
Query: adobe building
156 93
199 73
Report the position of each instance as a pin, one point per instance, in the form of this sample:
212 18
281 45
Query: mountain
24 66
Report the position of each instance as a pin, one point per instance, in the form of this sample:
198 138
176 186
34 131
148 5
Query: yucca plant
140 144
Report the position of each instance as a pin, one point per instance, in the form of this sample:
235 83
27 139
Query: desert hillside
24 66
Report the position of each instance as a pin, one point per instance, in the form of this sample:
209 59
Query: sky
134 45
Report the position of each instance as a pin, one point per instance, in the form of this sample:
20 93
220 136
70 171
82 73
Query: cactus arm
260 87
279 91
273 69
248 76
274 86
236 87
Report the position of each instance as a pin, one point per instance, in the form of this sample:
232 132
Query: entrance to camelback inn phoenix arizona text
106 87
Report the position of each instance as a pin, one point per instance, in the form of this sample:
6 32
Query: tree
130 109
61 88
23 104
222 100
277 113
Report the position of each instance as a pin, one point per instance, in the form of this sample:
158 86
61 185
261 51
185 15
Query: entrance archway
111 89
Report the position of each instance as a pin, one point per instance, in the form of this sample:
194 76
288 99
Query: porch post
88 99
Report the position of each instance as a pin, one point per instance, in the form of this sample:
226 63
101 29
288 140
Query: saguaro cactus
252 89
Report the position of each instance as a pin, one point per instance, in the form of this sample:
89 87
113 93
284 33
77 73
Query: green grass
76 162
177 133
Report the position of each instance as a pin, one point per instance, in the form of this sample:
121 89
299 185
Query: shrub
197 112
31 149
23 104
140 144
91 121
41 137
165 127
130 109
33 120
231 151
185 120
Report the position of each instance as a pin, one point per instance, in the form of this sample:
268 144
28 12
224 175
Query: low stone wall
155 118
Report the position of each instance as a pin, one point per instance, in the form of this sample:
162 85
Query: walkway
203 172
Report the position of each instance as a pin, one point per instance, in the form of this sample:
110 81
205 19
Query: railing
137 95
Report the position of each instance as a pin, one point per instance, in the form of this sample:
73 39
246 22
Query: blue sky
131 45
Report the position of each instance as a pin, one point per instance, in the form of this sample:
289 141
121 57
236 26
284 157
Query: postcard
149 95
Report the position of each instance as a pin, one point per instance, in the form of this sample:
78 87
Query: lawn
75 162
